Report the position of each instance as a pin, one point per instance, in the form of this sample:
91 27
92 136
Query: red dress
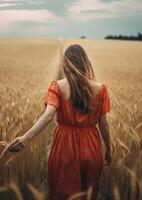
76 159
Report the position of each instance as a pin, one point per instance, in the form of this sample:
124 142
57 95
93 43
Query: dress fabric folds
75 161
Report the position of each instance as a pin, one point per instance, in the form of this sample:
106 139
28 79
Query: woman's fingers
106 164
17 148
107 160
16 145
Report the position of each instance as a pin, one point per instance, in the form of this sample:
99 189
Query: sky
69 18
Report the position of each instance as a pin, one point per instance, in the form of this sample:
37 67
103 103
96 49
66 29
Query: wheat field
26 69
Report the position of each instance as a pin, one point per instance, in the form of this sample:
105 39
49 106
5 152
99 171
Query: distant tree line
125 37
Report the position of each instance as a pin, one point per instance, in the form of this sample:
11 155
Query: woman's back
69 115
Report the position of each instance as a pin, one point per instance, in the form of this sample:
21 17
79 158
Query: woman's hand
18 144
108 158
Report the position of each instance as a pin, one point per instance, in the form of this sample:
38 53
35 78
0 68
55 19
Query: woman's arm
45 118
104 129
105 133
20 142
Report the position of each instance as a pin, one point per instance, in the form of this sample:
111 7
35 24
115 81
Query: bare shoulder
97 85
64 88
62 82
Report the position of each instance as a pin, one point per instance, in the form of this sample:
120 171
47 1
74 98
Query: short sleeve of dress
105 104
52 96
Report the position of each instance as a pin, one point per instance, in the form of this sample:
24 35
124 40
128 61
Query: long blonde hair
79 71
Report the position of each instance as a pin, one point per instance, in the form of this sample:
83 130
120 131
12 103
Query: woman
76 159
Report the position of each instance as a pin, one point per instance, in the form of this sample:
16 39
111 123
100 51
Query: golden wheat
27 67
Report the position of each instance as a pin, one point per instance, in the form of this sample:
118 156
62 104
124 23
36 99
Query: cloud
13 1
8 16
40 19
84 10
109 1
16 4
67 17
4 5
15 12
